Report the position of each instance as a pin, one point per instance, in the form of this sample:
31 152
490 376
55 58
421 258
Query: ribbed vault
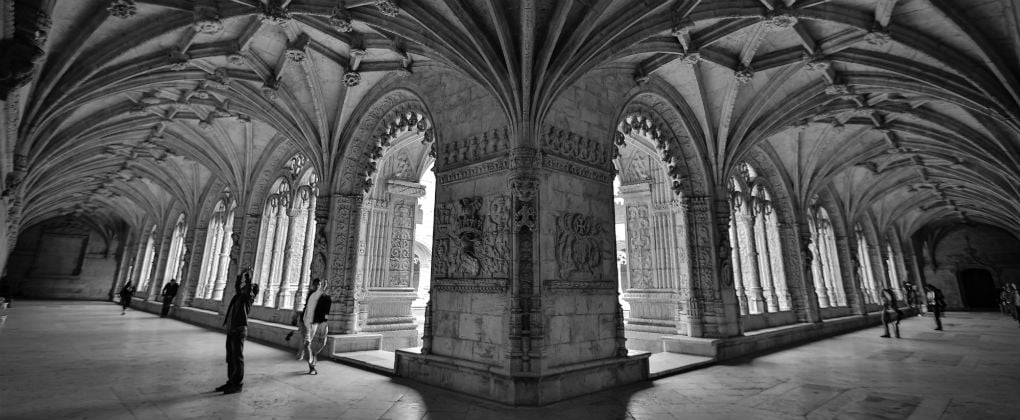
905 113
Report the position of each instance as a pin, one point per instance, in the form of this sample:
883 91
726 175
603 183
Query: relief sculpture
472 238
577 247
640 262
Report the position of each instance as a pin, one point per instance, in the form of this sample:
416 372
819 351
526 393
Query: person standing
889 305
313 320
236 322
125 296
169 292
936 304
1016 302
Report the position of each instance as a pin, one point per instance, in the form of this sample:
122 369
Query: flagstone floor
83 360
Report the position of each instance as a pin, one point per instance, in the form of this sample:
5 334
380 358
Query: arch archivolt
395 113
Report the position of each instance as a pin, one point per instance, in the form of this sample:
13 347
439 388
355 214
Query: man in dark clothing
169 292
936 304
236 323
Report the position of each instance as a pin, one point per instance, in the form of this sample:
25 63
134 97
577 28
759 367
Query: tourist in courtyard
125 296
1016 302
236 322
169 292
313 323
936 304
889 306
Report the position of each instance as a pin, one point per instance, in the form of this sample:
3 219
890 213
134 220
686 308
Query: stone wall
971 248
61 259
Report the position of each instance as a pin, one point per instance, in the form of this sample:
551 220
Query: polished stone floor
63 360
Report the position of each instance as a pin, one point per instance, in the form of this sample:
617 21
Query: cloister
523 200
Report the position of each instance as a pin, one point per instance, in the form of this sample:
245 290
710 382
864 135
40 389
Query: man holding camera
236 323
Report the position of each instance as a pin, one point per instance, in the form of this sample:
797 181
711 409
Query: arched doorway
977 288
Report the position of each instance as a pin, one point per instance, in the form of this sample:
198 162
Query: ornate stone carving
744 74
236 59
576 148
691 58
401 239
387 7
340 19
639 244
778 20
274 11
470 243
122 8
578 247
878 36
178 59
496 285
472 171
207 19
352 78
838 90
474 148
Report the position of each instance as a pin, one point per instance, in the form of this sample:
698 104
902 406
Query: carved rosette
122 8
178 59
207 20
340 20
352 78
273 12
387 7
878 36
744 75
838 90
779 20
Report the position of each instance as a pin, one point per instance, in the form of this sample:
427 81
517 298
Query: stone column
390 252
813 305
850 266
229 251
276 274
760 235
342 230
193 269
738 267
524 305
285 297
818 271
311 228
749 256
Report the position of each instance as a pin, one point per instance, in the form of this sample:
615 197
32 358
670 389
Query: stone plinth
346 343
552 385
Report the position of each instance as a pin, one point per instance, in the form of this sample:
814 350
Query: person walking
936 304
126 293
236 323
313 320
889 306
169 292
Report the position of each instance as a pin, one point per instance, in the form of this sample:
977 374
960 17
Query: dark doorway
978 289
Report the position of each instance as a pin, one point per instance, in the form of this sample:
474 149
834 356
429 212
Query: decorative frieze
563 143
485 286
474 148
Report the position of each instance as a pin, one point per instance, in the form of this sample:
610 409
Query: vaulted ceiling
903 112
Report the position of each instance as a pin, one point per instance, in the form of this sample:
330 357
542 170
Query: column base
482 381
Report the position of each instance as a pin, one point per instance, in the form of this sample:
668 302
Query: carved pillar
712 273
818 271
193 267
749 256
389 239
285 296
524 289
783 240
809 269
738 268
764 246
347 292
278 242
311 231
855 297
229 253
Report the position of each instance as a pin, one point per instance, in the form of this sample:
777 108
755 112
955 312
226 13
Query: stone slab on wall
984 248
